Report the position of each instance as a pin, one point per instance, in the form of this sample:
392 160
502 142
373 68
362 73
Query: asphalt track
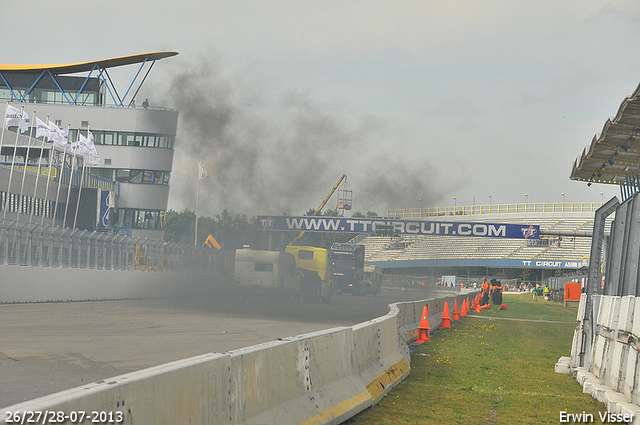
50 347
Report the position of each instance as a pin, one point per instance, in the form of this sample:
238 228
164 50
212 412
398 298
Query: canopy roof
614 155
21 80
72 68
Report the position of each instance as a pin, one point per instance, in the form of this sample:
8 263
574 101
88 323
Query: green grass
490 371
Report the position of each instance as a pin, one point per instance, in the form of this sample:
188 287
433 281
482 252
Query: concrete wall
612 373
318 378
71 284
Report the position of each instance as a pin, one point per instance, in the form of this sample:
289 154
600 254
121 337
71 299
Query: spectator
145 104
485 292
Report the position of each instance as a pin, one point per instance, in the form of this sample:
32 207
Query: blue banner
104 214
400 227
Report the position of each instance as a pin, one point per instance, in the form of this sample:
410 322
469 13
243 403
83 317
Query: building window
124 175
141 219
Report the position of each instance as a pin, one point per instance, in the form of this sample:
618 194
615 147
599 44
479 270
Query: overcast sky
412 100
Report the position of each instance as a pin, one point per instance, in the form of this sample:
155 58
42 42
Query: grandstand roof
614 155
72 68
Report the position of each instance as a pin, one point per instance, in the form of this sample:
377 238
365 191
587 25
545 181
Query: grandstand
564 244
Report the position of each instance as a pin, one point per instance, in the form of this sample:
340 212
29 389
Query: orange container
572 291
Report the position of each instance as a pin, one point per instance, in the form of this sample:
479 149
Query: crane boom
344 176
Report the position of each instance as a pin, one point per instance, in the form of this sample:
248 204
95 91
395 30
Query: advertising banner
104 210
400 227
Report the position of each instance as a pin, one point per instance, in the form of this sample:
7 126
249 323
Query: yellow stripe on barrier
394 374
339 409
412 334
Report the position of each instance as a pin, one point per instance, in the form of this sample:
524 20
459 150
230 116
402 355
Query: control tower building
127 190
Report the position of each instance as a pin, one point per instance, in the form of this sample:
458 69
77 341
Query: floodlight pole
195 236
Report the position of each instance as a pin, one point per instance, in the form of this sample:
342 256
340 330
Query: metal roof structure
614 155
99 66
73 68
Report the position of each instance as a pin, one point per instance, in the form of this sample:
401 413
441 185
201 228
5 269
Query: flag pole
73 169
84 159
75 217
197 204
4 124
39 173
13 162
24 172
64 154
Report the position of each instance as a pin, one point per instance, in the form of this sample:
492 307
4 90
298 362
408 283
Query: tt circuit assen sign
400 227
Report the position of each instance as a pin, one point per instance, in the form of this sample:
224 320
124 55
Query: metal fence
30 244
517 208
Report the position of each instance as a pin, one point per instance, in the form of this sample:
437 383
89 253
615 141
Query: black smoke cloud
281 153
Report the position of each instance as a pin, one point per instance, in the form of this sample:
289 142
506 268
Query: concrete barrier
612 373
324 377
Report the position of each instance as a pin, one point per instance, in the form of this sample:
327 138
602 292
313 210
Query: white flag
95 159
42 129
13 117
57 136
86 146
202 171
24 122
93 151
80 147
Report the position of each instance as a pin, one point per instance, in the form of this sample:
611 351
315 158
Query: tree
231 231
179 226
370 214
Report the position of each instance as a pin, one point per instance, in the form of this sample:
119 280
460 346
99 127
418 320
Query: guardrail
604 354
318 378
609 373
529 208
30 244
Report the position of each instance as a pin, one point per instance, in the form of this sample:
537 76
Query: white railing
521 208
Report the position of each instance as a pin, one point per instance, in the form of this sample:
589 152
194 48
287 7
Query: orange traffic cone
423 329
476 301
456 313
463 310
502 307
446 320
487 306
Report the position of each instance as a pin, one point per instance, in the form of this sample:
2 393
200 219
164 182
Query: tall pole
73 169
84 159
24 170
39 173
61 173
195 237
13 163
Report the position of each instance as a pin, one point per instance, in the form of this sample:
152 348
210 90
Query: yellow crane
344 176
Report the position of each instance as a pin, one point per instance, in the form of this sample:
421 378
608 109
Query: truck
299 272
314 273
349 270
265 270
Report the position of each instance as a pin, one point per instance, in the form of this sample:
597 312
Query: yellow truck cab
314 272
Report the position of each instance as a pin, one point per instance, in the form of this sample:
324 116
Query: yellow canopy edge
72 68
